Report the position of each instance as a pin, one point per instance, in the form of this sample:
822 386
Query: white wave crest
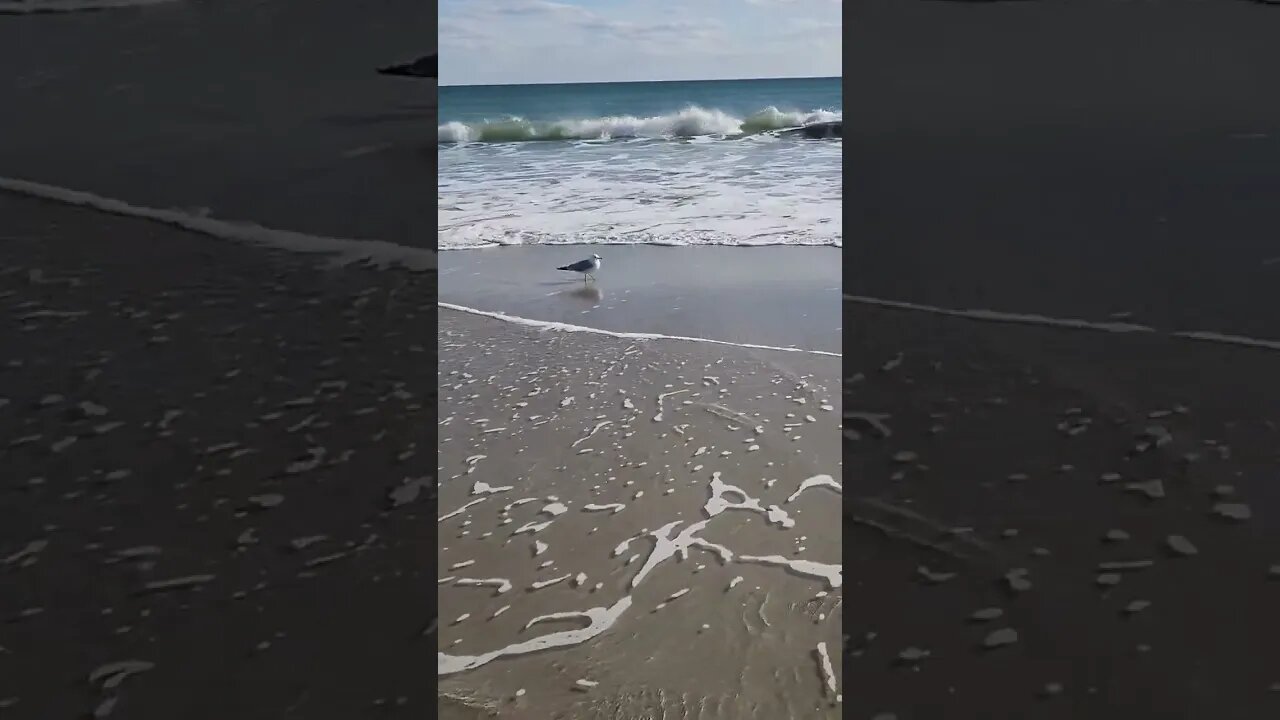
690 122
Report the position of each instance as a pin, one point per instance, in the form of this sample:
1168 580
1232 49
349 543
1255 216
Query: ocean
649 163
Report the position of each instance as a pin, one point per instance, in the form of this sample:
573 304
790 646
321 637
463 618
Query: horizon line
637 82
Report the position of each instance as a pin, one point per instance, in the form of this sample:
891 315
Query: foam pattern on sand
670 522
377 253
665 547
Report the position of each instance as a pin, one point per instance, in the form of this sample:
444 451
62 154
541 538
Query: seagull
586 267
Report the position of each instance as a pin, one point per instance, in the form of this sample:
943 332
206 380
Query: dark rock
423 67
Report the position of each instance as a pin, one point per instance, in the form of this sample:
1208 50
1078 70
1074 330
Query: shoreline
340 251
781 296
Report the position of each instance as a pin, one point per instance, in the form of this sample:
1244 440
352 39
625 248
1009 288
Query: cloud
520 41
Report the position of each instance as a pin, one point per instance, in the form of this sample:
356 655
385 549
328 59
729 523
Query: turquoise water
473 105
666 163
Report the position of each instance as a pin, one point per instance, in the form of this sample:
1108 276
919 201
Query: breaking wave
691 122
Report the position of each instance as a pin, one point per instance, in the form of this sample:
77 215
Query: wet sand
1058 519
203 503
575 471
784 296
1054 452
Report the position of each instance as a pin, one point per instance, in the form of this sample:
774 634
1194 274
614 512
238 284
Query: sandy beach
670 503
631 528
207 448
1060 395
1107 497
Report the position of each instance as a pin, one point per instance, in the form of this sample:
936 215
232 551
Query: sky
517 42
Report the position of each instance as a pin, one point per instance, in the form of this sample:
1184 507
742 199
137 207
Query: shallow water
783 296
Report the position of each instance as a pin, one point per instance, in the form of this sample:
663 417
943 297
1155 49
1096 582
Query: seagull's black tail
566 267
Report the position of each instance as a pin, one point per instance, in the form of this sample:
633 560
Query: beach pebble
1017 580
1179 545
91 410
1233 511
1136 606
1157 435
913 655
1000 638
906 456
1153 489
934 577
987 614
264 502
1116 536
1052 689
1108 579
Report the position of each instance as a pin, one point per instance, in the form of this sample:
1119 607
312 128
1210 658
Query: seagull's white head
597 257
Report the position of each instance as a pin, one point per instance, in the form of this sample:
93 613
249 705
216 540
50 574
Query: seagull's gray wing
580 266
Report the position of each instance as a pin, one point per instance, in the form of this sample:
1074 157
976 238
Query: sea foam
342 251
690 122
